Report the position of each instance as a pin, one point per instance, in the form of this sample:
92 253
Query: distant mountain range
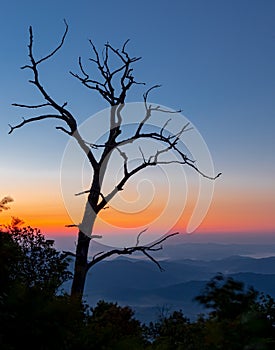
178 248
187 268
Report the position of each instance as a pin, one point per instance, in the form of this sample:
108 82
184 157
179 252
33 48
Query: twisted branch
106 87
63 113
145 249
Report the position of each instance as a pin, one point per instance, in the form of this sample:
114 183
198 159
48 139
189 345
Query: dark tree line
36 314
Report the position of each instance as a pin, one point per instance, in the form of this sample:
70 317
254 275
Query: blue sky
214 59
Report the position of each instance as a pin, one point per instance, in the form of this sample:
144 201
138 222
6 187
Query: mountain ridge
139 283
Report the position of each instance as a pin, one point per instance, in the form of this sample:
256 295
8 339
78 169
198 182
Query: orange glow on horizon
230 211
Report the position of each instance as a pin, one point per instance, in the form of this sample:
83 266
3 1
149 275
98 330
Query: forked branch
169 142
63 113
34 119
144 249
108 87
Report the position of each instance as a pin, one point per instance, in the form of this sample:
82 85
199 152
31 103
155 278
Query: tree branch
65 254
34 119
64 114
119 186
139 235
170 143
106 88
67 116
31 106
64 130
146 250
125 158
57 48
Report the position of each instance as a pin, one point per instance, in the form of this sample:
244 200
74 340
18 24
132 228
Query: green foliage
239 318
34 320
226 297
10 255
111 326
35 315
175 332
33 261
32 315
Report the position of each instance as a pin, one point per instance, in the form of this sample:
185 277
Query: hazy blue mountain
140 284
201 251
147 301
137 282
213 251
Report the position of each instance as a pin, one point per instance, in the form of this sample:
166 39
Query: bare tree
113 84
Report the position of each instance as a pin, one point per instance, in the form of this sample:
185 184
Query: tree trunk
86 227
84 238
80 267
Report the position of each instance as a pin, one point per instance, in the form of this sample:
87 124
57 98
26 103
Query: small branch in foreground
156 246
83 192
65 254
139 235
56 49
31 106
33 119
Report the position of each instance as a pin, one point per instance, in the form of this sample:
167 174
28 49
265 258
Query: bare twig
125 160
57 48
63 113
106 87
64 130
31 106
82 192
146 250
33 119
139 235
65 254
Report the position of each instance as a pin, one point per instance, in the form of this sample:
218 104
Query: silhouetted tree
176 332
34 313
115 80
10 255
239 318
110 327
226 297
34 262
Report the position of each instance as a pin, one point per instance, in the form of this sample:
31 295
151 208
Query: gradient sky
215 60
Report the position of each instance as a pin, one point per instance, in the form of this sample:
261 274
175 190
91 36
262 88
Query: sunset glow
247 213
221 76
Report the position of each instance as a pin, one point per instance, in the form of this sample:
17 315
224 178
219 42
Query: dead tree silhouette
115 95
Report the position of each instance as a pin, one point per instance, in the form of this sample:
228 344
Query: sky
214 59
